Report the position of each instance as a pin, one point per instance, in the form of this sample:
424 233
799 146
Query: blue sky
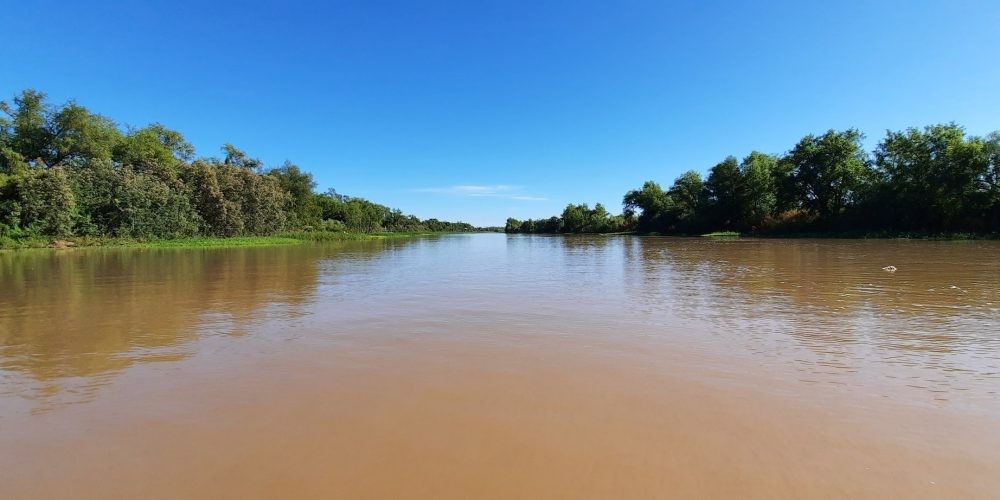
483 110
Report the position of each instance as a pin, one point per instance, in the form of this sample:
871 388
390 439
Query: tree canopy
65 171
931 180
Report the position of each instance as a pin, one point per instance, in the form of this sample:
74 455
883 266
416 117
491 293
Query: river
494 366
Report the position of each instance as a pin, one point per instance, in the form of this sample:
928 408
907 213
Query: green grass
8 243
90 242
722 234
241 241
292 238
344 236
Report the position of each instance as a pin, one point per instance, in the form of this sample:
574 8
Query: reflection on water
70 320
508 366
830 308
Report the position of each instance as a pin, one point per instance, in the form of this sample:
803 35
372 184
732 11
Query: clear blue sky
483 110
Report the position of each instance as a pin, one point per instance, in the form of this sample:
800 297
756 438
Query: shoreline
798 236
281 239
300 237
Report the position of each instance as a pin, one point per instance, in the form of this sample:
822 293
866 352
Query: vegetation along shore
71 177
930 182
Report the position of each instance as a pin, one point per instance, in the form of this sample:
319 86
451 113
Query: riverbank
878 235
295 238
857 235
291 238
849 235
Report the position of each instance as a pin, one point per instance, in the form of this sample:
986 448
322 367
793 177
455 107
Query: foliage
128 202
299 185
653 204
938 180
830 172
574 219
69 173
152 146
759 195
44 201
932 181
725 194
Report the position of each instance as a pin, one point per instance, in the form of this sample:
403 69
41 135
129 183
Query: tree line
933 180
66 171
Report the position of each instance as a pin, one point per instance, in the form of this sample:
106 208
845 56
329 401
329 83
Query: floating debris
890 269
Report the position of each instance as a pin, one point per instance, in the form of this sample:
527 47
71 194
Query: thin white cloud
502 191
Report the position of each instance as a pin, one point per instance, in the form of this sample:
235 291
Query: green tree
46 201
725 193
27 124
12 162
364 216
129 202
152 146
575 218
688 196
830 171
653 204
936 178
991 181
599 220
299 185
65 170
77 135
330 206
760 193
552 225
220 215
238 158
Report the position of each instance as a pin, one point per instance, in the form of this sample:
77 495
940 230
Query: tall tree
47 203
937 179
653 204
153 146
830 171
725 194
760 195
991 181
238 158
29 133
575 218
78 135
688 195
299 185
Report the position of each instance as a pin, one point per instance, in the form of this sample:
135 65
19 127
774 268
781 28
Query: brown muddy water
488 366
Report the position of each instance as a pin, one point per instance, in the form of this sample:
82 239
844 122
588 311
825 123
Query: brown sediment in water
598 371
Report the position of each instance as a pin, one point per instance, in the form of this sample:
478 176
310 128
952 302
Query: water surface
503 366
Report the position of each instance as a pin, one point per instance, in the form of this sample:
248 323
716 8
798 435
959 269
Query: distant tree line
574 219
65 171
932 180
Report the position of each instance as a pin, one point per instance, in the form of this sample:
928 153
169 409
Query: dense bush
65 171
934 180
43 201
574 219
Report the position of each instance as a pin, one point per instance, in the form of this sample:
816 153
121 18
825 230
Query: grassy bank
722 234
292 238
345 236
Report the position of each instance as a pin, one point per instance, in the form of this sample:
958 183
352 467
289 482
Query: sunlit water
503 366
